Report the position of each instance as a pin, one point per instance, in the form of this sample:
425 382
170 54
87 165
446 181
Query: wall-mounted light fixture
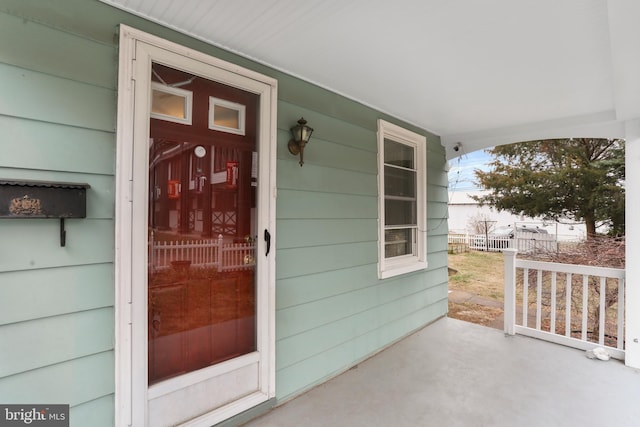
301 134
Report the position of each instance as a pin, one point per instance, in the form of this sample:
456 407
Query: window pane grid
399 154
408 199
399 182
402 168
401 200
399 242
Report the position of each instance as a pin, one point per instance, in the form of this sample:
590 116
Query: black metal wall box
43 199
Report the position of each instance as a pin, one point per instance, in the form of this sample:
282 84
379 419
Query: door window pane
226 116
171 104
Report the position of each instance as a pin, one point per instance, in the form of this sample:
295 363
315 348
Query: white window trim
405 264
187 95
241 109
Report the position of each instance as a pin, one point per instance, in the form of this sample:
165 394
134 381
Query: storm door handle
267 238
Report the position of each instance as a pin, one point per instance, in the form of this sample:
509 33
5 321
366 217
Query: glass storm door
195 208
202 329
202 236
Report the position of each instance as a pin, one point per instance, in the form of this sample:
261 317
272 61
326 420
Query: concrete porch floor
454 373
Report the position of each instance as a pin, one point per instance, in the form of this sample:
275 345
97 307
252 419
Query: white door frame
137 50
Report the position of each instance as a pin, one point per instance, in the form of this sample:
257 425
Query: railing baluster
539 301
620 337
585 305
567 307
525 298
164 254
603 314
553 302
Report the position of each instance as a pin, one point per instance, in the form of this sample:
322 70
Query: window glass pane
399 182
398 154
399 211
168 104
226 117
398 242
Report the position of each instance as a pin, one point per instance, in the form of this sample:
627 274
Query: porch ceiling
480 73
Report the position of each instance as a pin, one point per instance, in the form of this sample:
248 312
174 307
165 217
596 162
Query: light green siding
58 74
332 311
57 303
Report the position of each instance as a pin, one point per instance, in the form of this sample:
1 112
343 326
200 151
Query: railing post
510 291
220 257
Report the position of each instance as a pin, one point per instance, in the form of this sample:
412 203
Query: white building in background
463 211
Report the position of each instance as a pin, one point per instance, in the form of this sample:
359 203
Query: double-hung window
402 200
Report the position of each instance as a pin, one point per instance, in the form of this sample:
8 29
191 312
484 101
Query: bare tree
481 223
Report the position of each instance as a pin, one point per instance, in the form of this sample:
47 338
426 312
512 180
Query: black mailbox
43 199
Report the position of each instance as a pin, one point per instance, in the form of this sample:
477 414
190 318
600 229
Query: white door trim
131 392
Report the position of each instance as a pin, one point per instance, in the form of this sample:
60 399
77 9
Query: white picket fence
523 242
209 253
565 285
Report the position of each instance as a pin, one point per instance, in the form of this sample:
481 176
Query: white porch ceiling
481 73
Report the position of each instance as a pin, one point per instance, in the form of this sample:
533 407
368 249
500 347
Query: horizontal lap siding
38 146
92 413
43 342
57 303
72 382
43 97
50 292
332 311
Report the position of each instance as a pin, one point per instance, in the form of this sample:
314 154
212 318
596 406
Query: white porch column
632 210
510 291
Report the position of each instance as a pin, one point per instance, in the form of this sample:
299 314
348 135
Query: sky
461 176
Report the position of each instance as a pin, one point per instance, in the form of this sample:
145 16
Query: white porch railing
568 300
210 253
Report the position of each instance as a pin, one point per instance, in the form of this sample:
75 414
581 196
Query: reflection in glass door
201 230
